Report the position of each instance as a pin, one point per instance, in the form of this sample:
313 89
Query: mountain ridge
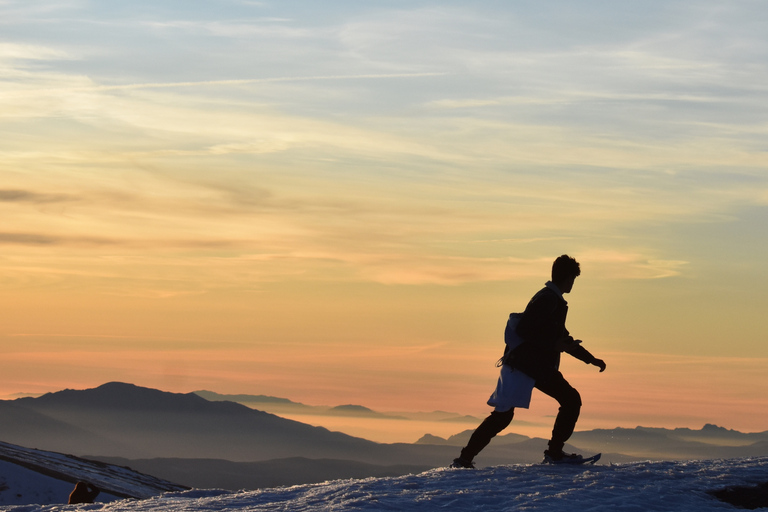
118 420
130 421
277 405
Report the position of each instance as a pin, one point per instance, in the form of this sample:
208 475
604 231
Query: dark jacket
542 326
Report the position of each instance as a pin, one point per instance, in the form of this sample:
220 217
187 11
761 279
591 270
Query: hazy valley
216 443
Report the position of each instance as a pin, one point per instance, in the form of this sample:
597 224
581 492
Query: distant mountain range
194 441
279 406
129 421
711 442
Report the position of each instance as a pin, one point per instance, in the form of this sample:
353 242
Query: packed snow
642 486
29 476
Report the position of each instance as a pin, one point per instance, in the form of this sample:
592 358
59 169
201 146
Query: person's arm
574 348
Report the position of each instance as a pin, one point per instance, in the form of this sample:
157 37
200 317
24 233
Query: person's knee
571 400
502 419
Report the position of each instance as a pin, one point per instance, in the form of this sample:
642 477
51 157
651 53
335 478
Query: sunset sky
340 202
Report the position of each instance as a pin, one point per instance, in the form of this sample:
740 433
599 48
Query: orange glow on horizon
636 389
351 217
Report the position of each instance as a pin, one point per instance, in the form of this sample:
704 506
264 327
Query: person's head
564 271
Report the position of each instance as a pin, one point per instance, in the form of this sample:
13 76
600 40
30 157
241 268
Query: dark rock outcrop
749 497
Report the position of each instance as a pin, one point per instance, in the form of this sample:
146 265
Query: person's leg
570 407
492 425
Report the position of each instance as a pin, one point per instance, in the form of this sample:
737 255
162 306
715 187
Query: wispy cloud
40 239
35 239
371 164
17 51
206 83
613 264
27 196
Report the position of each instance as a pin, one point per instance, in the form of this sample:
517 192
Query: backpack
511 339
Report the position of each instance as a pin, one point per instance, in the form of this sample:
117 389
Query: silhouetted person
83 493
535 362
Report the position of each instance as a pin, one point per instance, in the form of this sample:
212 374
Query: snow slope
642 486
20 485
36 476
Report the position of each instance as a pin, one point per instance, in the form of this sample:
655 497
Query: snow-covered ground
643 486
34 476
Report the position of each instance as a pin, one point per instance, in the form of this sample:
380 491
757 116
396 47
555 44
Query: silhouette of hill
361 412
131 422
461 439
125 420
156 427
681 443
279 406
252 399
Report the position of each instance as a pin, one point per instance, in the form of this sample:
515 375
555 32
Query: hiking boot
553 457
462 463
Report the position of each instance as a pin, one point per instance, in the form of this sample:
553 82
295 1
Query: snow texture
641 486
21 485
28 476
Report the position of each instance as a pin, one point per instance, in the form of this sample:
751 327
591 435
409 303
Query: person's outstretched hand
599 363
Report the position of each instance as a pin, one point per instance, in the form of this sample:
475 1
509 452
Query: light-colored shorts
513 389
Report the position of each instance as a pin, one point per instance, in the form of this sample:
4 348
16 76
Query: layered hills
187 439
125 420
